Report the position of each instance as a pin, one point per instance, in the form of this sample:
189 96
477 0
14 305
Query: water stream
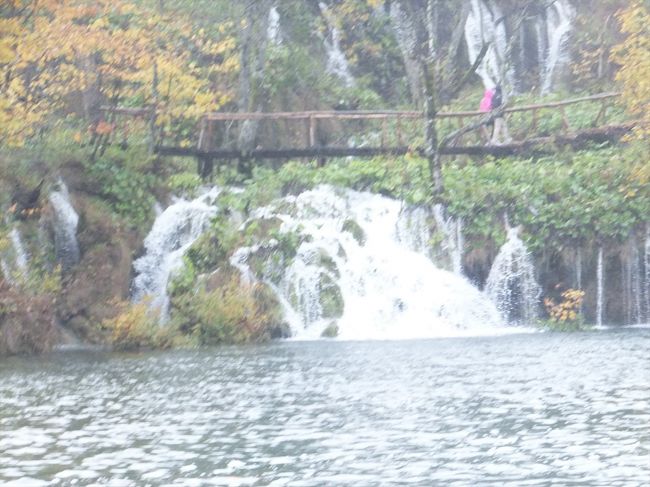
600 278
357 267
14 261
511 283
66 220
173 232
337 64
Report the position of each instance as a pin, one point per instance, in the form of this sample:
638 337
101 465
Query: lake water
530 409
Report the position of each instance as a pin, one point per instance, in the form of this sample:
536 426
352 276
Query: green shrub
234 313
135 328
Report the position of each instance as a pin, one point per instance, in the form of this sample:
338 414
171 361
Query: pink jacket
486 102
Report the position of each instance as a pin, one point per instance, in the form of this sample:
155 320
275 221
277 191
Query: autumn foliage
56 55
633 54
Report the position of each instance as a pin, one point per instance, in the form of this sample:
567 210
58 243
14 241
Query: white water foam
389 290
485 25
559 18
173 232
66 220
337 64
511 283
600 278
273 30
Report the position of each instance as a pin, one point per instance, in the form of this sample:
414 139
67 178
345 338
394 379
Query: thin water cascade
631 284
14 262
173 232
578 267
578 273
599 287
273 30
485 25
452 229
337 64
511 283
412 229
66 220
559 18
362 276
646 270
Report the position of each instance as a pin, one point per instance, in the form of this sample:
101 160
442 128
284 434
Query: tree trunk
428 68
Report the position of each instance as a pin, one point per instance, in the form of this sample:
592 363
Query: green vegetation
61 60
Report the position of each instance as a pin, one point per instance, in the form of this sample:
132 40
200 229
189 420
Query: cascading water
337 64
412 229
511 282
172 234
485 25
15 260
273 29
578 268
646 280
351 268
631 285
548 30
578 273
66 219
600 277
452 230
559 17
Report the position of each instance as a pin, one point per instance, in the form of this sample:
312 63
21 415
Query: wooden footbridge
538 128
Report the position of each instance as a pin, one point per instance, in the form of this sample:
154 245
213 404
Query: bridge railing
220 132
391 126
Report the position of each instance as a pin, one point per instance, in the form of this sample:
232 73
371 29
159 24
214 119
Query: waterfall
599 290
486 24
578 274
66 219
412 229
550 29
646 279
173 232
15 260
337 64
273 29
362 276
452 229
631 277
511 282
559 16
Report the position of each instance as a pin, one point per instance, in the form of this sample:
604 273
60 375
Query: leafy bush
231 313
136 328
565 315
185 183
125 181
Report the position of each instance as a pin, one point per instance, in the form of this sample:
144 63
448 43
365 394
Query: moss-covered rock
355 230
331 330
330 298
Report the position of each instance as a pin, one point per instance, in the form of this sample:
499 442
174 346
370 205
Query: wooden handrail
383 114
357 114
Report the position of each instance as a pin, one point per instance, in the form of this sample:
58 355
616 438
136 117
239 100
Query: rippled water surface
537 409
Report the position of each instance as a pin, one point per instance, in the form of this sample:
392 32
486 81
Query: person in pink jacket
485 106
492 99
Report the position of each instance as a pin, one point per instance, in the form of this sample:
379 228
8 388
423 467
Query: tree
53 52
435 51
633 55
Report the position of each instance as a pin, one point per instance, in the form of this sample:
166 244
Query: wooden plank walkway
304 131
